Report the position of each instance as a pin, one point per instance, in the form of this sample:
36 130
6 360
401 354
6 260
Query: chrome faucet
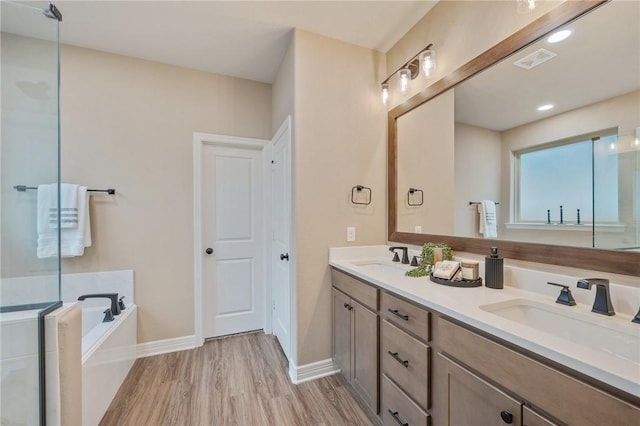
602 302
115 307
405 254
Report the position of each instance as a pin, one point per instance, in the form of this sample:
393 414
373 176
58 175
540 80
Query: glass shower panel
29 156
616 192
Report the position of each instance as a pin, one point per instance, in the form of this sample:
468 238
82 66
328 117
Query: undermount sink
379 265
591 330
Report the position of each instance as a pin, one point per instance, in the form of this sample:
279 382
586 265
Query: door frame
199 141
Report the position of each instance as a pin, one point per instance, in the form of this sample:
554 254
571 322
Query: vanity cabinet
405 356
472 400
480 376
355 335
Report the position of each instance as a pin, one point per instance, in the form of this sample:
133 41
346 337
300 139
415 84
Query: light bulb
558 36
405 78
428 62
385 93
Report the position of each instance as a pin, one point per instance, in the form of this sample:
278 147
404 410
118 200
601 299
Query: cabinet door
472 401
531 418
365 354
342 332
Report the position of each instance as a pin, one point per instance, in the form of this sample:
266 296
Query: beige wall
425 159
128 124
477 175
459 31
283 89
339 142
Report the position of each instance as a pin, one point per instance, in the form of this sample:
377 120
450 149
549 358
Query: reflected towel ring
359 188
409 196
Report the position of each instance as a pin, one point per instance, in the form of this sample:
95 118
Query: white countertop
463 304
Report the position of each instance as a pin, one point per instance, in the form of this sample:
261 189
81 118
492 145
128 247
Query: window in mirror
563 174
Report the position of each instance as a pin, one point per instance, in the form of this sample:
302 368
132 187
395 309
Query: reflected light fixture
546 107
424 62
526 6
385 93
558 36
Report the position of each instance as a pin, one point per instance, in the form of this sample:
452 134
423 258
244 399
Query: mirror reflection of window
563 174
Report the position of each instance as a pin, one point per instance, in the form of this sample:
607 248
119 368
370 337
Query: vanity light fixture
385 93
424 61
428 62
405 78
546 107
558 36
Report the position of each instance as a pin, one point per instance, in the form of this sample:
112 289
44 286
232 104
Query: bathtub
108 352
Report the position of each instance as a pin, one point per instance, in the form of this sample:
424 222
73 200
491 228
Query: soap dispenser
494 270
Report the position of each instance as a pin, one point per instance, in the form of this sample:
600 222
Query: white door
280 244
233 259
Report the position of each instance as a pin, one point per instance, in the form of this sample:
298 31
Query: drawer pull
506 417
397 358
398 314
395 416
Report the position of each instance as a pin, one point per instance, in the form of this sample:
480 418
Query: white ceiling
600 60
244 39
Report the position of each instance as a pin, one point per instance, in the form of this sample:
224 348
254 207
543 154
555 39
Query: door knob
209 250
284 257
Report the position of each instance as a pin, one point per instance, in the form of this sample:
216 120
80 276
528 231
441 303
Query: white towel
488 226
68 207
72 240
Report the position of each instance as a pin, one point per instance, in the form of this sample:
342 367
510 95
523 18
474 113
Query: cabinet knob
506 417
209 250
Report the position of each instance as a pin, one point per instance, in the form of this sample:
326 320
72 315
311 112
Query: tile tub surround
520 283
44 288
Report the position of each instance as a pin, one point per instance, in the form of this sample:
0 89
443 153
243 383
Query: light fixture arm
412 64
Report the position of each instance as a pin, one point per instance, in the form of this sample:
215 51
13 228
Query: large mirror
564 176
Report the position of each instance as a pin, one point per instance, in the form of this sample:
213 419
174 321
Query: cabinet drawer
395 402
406 361
364 293
539 384
406 315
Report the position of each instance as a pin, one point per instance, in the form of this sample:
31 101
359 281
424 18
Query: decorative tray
463 283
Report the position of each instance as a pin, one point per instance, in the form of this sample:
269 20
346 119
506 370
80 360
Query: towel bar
478 202
23 188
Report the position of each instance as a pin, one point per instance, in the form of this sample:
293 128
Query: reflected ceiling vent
538 57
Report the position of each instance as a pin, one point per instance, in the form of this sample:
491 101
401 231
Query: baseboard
312 371
158 347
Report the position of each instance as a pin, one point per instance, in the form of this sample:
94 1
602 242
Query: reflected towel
487 224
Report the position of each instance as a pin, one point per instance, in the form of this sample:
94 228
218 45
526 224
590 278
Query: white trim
200 139
312 371
158 347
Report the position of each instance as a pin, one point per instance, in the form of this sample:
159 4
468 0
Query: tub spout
115 307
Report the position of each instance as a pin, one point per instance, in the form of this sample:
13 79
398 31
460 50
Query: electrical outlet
418 229
351 233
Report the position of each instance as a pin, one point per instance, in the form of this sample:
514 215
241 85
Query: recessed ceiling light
546 107
558 36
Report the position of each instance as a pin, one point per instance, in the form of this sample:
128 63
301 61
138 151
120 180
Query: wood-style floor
238 380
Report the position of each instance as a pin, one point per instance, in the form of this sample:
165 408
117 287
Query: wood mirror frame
621 262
